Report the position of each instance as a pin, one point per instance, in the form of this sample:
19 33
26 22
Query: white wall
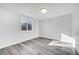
52 28
75 28
10 29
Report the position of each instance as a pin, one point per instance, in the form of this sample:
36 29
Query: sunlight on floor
68 39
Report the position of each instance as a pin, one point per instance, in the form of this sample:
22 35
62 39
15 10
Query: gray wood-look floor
37 46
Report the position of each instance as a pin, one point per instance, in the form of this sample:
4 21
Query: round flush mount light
43 10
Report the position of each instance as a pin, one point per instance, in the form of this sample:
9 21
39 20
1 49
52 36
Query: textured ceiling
33 10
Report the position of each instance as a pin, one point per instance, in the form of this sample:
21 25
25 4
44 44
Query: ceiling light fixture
44 10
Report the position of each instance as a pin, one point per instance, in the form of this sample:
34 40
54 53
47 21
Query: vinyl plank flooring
37 46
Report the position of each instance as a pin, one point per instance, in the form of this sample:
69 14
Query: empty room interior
39 28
